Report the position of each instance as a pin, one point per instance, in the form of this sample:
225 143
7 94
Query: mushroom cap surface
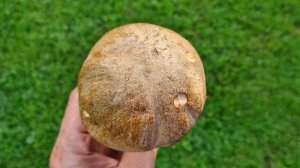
142 86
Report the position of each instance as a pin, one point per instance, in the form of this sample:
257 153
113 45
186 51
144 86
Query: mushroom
142 86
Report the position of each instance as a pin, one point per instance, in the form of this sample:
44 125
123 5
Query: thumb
71 122
139 159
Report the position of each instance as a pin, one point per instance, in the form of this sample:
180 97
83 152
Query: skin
74 146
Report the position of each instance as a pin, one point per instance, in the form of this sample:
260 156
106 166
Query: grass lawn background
251 54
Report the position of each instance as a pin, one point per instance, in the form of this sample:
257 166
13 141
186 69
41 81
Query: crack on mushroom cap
180 100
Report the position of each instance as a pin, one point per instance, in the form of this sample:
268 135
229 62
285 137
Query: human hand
74 147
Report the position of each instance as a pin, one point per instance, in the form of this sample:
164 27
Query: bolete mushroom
142 86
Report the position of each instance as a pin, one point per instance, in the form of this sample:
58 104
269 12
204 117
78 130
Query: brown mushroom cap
142 86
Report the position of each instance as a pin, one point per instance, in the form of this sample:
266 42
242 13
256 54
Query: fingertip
139 159
155 150
74 94
72 115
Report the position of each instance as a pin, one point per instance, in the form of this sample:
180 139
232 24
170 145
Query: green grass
250 49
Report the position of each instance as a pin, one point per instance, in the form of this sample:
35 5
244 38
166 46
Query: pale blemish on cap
190 57
86 114
127 77
180 100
